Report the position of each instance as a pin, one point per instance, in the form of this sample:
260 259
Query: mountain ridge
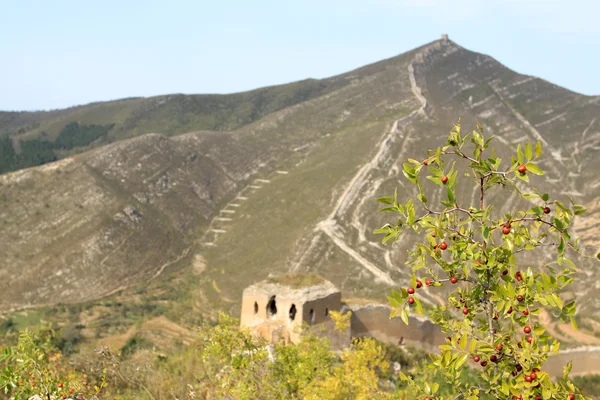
115 216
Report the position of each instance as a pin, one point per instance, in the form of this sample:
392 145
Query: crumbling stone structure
278 307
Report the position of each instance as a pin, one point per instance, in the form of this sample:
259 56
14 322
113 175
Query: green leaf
539 330
418 306
580 211
461 360
528 151
451 195
519 154
404 316
463 341
538 149
386 200
567 369
574 324
486 233
534 169
545 197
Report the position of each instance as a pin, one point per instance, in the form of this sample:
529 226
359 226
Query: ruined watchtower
277 307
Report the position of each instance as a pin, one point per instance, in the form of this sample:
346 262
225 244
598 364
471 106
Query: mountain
216 192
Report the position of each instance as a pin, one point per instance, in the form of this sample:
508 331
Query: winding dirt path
330 225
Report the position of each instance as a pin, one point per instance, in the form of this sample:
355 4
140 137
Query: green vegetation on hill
296 280
35 152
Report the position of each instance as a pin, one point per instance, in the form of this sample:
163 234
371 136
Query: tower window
255 308
311 316
272 308
292 312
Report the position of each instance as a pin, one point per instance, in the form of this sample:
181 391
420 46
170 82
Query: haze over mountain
276 179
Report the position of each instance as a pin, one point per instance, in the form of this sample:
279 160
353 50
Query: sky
60 53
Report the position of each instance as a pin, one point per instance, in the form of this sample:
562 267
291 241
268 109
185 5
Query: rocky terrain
286 180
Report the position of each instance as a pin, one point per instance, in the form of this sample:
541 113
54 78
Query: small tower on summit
444 37
278 307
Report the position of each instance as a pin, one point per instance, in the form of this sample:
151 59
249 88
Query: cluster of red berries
442 246
411 290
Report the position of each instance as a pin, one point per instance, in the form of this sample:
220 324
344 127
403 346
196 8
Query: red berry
518 397
443 246
571 396
425 162
419 284
535 370
426 398
444 179
33 384
527 379
505 272
71 390
454 279
483 363
432 234
520 298
60 385
527 329
509 310
518 276
547 210
533 376
411 300
506 230
493 358
496 316
428 282
410 290
522 169
465 310
538 397
499 347
476 358
529 339
525 312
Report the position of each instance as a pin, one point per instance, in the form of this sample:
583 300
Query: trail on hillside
330 226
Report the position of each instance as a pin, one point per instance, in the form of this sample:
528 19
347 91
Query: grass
297 281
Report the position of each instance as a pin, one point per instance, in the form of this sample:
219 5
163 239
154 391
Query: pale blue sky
59 53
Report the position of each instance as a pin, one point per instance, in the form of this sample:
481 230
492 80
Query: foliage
75 135
35 152
227 363
477 250
32 367
7 154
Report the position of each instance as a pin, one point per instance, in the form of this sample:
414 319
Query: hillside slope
288 185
